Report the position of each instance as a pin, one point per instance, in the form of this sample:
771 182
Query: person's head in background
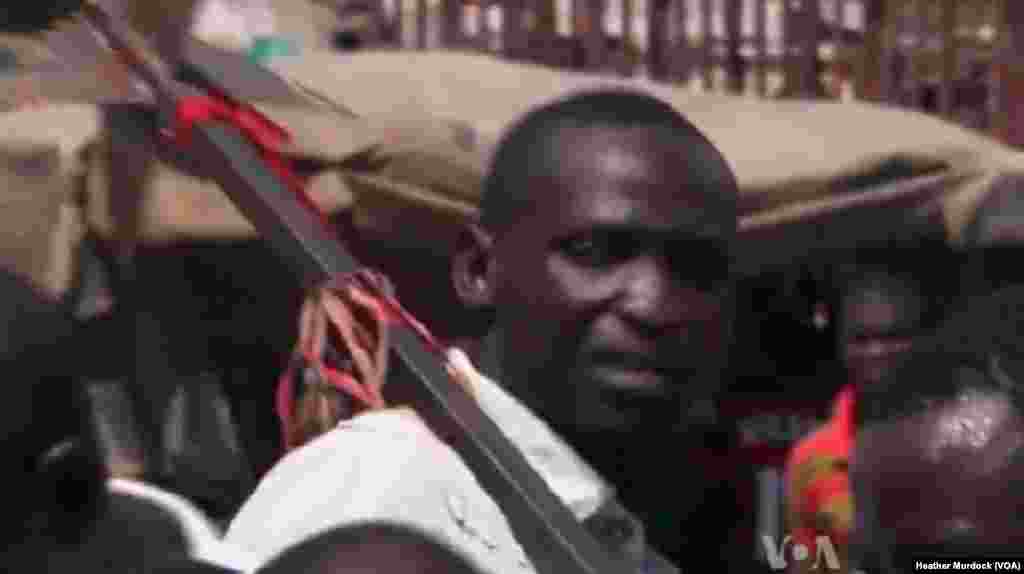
59 515
603 253
369 548
939 457
887 299
55 488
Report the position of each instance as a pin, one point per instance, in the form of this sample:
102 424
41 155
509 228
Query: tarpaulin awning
795 160
407 134
38 177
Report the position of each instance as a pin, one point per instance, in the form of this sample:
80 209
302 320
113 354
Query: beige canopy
38 177
404 137
788 156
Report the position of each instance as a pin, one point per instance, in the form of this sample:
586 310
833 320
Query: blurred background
946 57
201 326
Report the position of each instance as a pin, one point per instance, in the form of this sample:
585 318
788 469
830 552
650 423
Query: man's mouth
872 369
630 378
632 373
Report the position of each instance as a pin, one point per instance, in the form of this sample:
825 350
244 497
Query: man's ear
473 267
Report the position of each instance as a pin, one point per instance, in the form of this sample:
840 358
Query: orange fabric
819 502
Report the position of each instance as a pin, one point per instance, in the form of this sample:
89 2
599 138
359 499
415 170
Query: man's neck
610 452
485 354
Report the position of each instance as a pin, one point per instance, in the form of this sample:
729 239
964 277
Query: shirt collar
574 481
570 478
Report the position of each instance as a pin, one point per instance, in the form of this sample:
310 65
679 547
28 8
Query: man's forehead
601 211
880 308
874 292
616 180
873 313
949 478
616 160
627 151
607 204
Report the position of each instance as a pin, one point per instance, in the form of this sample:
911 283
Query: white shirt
388 466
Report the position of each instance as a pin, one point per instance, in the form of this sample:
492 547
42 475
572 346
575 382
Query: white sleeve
380 467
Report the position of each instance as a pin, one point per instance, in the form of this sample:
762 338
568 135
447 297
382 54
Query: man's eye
588 251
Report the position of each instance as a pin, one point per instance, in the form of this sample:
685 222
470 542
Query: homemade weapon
238 147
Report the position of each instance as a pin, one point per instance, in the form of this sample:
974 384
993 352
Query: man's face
877 327
610 296
940 482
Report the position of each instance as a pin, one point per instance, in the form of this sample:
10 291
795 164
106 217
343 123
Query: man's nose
872 349
879 348
656 296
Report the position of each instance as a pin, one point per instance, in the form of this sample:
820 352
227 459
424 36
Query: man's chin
622 426
661 412
620 401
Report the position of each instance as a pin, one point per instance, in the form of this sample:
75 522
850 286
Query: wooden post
893 61
398 24
838 45
483 25
873 65
918 67
1011 74
544 31
545 17
579 30
451 23
788 35
657 39
628 64
902 56
838 24
580 21
950 57
761 42
707 46
385 28
512 30
682 53
810 63
734 65
594 39
422 24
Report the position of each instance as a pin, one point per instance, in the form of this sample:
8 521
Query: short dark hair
980 348
526 149
329 551
928 267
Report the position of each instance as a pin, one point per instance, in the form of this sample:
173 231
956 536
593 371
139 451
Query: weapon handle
136 53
